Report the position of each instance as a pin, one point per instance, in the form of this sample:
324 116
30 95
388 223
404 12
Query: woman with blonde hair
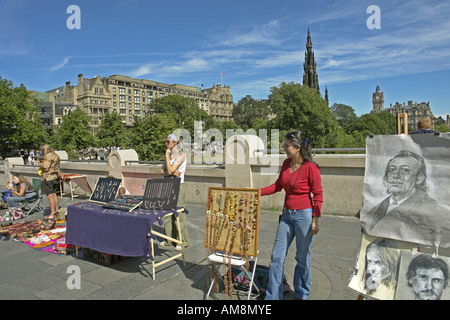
50 177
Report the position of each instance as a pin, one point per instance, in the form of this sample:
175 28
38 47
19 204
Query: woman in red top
300 179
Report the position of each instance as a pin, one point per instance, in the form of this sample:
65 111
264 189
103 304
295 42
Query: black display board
161 193
105 190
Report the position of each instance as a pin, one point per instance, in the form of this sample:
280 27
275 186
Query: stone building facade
415 111
129 96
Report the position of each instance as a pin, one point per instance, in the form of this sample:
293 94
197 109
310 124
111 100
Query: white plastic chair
217 258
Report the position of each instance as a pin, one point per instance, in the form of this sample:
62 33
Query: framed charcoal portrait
377 266
405 193
423 277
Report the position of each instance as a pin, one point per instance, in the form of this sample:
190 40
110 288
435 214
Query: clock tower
377 100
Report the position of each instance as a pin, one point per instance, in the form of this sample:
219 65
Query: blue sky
256 43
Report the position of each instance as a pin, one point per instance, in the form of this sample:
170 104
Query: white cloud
267 34
60 65
142 70
193 65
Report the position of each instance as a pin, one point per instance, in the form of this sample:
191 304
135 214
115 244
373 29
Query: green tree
20 125
299 107
73 132
442 127
248 109
111 132
344 113
148 136
381 123
184 111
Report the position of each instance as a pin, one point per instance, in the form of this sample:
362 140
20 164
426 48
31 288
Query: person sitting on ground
22 191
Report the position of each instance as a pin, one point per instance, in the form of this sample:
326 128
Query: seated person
23 190
424 126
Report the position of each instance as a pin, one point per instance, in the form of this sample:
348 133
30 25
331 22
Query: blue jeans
293 223
12 201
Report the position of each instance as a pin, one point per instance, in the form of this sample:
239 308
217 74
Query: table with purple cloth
90 225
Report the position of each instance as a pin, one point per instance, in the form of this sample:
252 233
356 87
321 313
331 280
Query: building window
114 89
136 92
122 90
122 98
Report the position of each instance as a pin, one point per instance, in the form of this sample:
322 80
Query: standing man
174 166
50 178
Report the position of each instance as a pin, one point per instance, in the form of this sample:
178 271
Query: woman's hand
314 226
168 152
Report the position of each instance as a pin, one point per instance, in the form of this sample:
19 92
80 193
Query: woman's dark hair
298 139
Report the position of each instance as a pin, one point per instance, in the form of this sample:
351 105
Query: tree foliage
20 125
247 110
111 132
149 134
73 132
344 113
299 107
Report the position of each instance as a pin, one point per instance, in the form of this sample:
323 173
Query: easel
233 210
405 123
177 241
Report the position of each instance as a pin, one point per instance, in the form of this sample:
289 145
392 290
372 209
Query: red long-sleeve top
307 192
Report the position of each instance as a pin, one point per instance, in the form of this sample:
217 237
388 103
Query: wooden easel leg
153 255
177 220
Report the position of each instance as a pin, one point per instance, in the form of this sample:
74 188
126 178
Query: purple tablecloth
123 233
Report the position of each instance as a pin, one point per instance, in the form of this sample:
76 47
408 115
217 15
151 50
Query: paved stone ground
26 273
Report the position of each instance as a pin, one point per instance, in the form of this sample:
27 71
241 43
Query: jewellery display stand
231 233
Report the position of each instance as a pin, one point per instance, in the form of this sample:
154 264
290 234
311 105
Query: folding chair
217 258
35 202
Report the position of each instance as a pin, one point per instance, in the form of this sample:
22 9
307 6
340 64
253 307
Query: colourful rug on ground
31 233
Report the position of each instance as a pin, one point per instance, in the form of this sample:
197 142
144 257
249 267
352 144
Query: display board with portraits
405 210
